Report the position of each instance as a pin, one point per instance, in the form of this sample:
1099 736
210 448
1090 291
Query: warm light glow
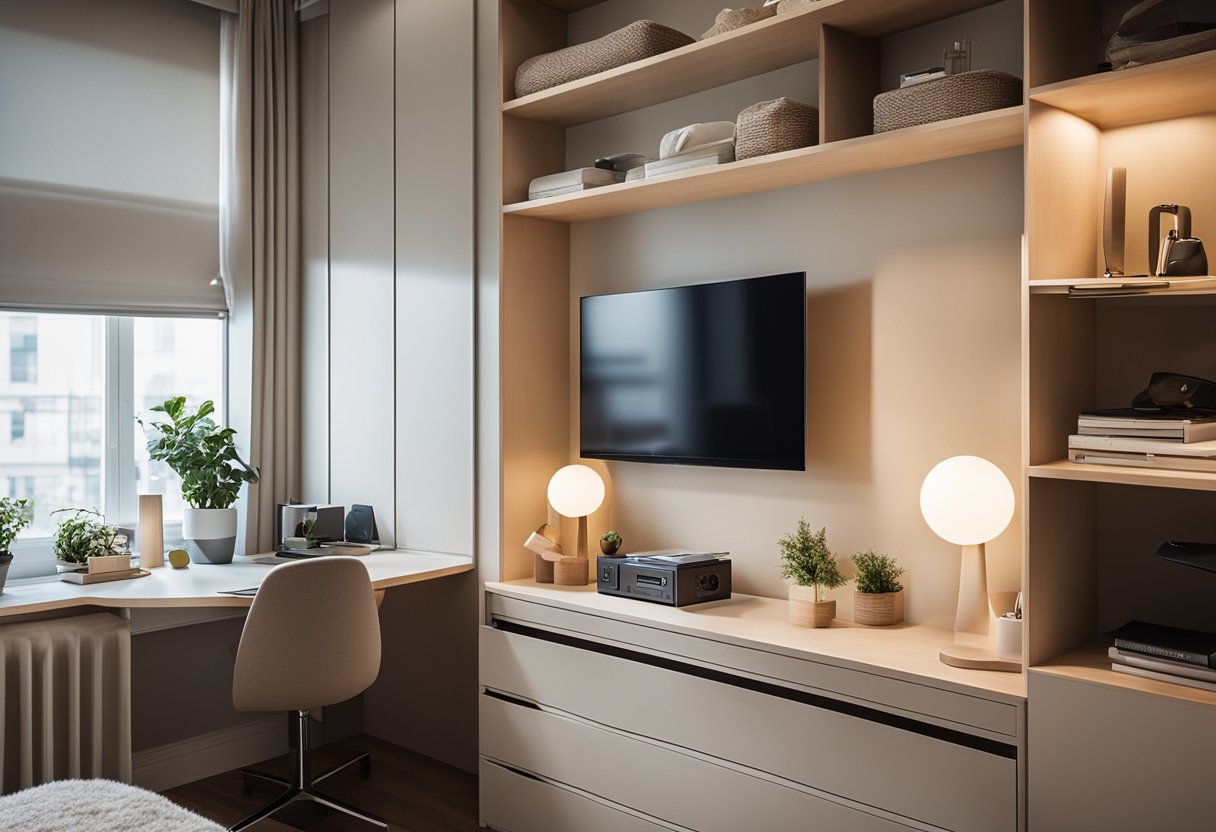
966 500
576 491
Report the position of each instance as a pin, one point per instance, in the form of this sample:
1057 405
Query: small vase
805 611
5 560
878 609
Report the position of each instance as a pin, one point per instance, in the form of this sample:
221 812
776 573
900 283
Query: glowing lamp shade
966 500
576 491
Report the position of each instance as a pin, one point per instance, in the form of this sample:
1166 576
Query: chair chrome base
303 786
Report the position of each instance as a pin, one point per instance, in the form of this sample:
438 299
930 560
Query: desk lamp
575 491
968 501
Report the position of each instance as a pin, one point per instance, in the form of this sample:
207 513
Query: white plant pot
210 534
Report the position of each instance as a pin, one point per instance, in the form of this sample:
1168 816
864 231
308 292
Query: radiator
65 700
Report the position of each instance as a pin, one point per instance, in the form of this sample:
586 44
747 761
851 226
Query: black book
1174 643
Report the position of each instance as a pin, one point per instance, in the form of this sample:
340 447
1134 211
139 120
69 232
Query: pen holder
1009 637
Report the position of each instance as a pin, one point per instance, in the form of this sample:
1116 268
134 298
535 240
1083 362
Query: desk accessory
806 559
546 551
86 578
361 525
575 491
1178 254
151 531
672 582
1114 221
1009 632
968 501
879 598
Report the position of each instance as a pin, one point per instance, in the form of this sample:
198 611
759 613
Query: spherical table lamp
575 491
968 501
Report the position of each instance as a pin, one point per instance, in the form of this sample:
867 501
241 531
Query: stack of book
1167 654
572 181
714 153
1181 440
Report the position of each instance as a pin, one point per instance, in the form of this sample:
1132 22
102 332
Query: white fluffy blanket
96 806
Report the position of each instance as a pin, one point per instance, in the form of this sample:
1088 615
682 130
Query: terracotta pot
805 611
878 609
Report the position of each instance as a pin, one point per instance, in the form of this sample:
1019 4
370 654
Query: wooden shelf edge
954 138
1171 89
1178 286
1091 665
1124 475
751 50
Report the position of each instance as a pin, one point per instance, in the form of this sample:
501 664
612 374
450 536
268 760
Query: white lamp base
974 658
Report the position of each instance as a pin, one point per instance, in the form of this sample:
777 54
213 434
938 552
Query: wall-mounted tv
710 374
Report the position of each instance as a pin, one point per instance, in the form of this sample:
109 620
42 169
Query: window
73 440
23 349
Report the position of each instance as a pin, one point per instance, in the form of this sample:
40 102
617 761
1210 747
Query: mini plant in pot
879 599
204 455
806 558
610 543
82 534
15 515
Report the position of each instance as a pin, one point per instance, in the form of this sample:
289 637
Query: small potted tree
83 534
204 455
879 599
15 515
806 558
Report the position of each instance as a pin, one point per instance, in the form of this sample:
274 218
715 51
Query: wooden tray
102 577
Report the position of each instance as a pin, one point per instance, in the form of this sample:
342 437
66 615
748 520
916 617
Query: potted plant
204 455
610 543
82 534
806 558
879 599
15 515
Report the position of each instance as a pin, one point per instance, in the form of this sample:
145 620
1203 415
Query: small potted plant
806 558
610 543
15 515
879 599
82 534
204 455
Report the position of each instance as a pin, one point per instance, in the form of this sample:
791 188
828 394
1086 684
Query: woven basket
958 95
638 40
729 19
774 126
785 6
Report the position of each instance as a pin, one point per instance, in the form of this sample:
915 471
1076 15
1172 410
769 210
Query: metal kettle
1179 254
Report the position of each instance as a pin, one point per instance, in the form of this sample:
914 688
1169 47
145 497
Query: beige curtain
260 245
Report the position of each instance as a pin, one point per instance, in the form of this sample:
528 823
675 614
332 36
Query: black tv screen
711 374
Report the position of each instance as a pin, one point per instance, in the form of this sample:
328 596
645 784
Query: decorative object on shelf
1161 30
806 558
951 97
729 19
637 41
1114 221
1167 654
879 599
920 76
968 501
15 515
84 542
692 137
717 153
572 181
622 162
957 59
1009 632
204 455
151 531
575 491
543 544
787 6
179 558
775 126
1179 254
610 543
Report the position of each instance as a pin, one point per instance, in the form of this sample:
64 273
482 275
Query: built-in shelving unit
1172 89
1124 475
752 50
1091 664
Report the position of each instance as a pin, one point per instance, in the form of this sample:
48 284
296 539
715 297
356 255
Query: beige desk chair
312 639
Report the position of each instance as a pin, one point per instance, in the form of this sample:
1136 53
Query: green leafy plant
611 538
877 573
806 558
15 515
200 452
83 534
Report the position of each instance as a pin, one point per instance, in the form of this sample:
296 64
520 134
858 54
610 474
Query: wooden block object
973 658
543 569
87 578
109 563
570 572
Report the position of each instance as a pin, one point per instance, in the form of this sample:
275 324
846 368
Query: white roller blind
109 156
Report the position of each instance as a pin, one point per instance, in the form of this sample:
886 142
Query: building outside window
23 349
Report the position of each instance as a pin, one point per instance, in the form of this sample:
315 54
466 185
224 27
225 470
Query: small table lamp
968 501
575 491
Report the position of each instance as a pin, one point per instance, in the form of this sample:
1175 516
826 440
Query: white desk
200 585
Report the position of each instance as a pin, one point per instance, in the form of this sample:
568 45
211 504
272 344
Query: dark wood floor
413 793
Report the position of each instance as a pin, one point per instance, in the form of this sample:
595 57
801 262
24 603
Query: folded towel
694 136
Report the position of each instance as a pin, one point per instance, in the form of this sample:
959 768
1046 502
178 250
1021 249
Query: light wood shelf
1126 287
1124 475
926 143
1091 664
1171 89
743 53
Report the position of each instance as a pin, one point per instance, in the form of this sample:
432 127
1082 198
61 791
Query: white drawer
511 802
919 700
942 778
658 780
